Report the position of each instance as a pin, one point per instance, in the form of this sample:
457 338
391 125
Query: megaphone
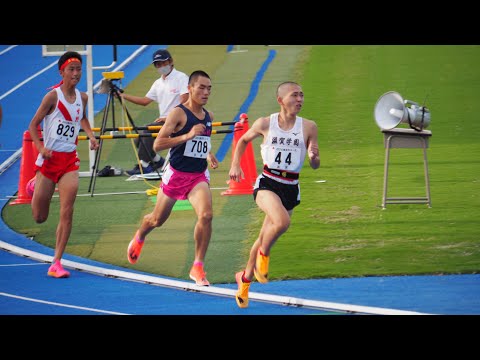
391 110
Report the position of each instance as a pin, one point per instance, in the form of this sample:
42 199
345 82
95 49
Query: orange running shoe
134 249
261 268
242 294
199 276
56 270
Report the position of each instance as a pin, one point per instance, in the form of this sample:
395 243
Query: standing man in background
287 139
169 90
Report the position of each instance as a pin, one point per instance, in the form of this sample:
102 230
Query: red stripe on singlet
64 111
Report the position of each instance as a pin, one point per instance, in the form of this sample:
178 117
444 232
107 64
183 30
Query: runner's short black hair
195 75
68 55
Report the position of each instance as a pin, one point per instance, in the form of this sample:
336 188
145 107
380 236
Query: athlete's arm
175 121
46 107
259 128
85 124
312 143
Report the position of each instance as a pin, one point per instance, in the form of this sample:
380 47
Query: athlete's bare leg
201 199
275 223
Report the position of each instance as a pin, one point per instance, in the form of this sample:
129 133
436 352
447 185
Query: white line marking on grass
321 181
112 193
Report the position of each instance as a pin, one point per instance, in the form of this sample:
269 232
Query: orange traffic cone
27 169
247 162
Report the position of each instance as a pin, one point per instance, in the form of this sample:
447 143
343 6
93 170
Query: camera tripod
107 86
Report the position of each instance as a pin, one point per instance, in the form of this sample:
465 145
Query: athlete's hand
196 130
236 173
46 153
94 145
212 160
313 152
314 156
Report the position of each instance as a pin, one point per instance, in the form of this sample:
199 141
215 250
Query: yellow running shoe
134 249
242 293
261 268
199 276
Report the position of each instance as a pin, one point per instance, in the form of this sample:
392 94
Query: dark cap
161 55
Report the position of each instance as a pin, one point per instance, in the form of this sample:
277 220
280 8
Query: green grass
339 230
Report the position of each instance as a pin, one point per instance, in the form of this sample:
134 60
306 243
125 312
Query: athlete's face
200 90
291 98
72 72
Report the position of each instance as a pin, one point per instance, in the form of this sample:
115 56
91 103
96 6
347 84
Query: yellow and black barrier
154 127
134 136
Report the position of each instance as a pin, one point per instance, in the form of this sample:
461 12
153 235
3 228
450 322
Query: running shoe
30 187
261 268
158 164
56 270
134 249
136 170
199 276
242 293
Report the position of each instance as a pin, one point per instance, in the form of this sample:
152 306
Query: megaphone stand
406 138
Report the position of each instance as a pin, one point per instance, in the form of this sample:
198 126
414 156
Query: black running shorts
289 194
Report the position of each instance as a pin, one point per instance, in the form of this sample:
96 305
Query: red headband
68 61
72 59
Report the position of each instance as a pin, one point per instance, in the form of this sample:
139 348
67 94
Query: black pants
145 151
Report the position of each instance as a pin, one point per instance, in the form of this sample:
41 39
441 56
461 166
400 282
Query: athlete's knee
67 211
153 221
281 225
284 226
40 218
66 215
206 216
156 222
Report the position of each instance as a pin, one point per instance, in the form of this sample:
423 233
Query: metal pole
385 174
90 114
425 166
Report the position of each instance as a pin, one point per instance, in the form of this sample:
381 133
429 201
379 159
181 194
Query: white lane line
6 265
10 161
28 79
62 305
7 49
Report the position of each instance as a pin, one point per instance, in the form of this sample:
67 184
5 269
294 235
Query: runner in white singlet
287 140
